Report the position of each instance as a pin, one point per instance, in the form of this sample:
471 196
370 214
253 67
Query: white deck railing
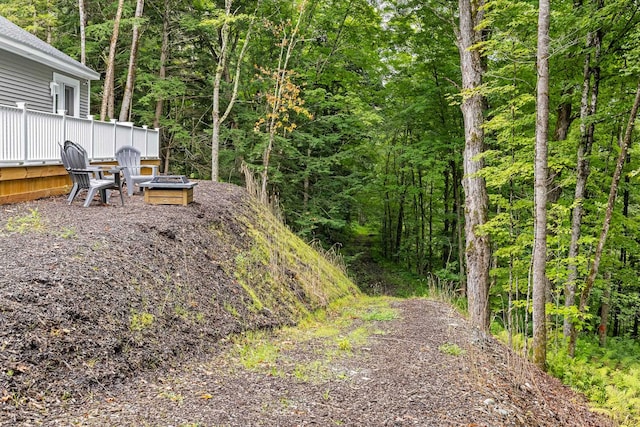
32 137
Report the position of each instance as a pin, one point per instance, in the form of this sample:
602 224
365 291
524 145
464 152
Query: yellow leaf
206 396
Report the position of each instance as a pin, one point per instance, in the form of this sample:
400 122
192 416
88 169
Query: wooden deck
22 183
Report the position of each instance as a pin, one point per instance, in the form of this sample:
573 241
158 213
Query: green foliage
609 377
338 331
139 321
451 349
68 233
254 350
380 314
31 222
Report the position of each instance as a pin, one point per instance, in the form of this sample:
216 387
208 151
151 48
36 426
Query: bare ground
67 357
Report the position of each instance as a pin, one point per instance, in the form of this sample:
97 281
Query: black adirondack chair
86 177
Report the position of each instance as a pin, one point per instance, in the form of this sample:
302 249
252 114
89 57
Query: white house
44 100
36 73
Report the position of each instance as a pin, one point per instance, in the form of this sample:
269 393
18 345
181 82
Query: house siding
23 80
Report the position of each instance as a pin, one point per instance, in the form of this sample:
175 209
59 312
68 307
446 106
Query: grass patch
68 233
380 314
451 349
255 350
169 395
140 321
322 338
31 222
230 309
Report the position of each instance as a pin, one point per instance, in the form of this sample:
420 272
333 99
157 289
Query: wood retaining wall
22 183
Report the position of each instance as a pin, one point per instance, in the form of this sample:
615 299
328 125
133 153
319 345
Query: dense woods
419 123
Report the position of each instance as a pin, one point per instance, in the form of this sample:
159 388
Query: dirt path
406 371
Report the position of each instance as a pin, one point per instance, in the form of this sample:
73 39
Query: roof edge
37 55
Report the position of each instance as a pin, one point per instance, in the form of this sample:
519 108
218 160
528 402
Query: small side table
116 171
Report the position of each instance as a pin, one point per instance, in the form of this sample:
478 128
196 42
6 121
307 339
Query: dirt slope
121 316
91 296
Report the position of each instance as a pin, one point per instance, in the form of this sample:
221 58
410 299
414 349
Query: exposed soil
73 280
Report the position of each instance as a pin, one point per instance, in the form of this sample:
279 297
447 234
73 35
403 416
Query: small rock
489 402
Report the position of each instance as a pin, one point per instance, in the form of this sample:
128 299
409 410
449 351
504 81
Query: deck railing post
63 114
92 136
23 130
115 136
146 140
158 141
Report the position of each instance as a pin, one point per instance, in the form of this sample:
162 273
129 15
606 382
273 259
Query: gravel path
403 375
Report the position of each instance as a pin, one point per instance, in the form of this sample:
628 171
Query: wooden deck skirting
22 183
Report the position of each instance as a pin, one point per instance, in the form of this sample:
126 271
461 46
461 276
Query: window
66 95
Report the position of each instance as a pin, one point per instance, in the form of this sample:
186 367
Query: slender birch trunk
540 190
217 120
83 34
588 106
107 91
613 191
127 98
164 54
287 45
221 65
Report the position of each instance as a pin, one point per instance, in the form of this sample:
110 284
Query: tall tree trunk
386 225
83 33
286 48
588 107
167 156
605 307
604 313
563 122
476 199
540 190
459 234
511 275
430 254
399 226
220 69
127 98
306 184
422 220
107 91
222 64
164 54
447 213
111 96
613 191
